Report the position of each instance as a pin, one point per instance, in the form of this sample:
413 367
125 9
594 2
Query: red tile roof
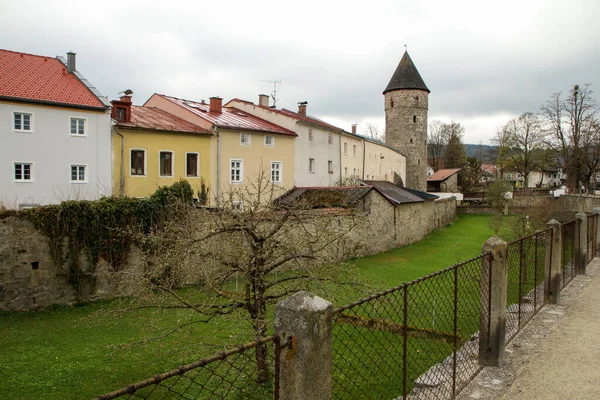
42 79
153 118
443 174
230 117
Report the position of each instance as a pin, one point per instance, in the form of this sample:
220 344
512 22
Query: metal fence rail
592 232
528 261
570 237
249 371
403 341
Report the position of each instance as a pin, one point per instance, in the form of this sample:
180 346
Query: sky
484 62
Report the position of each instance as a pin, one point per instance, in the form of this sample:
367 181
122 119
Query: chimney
263 100
354 129
216 104
302 107
71 62
121 109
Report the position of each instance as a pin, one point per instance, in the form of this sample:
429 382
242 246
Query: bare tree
374 132
271 249
437 140
520 143
454 155
571 126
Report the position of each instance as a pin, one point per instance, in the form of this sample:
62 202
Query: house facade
56 142
152 148
243 147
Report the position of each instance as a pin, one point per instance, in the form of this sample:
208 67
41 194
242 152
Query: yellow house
242 146
153 148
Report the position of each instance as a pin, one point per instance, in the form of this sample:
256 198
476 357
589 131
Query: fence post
582 245
597 212
305 365
552 288
494 286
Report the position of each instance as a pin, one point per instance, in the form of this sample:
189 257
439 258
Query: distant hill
485 152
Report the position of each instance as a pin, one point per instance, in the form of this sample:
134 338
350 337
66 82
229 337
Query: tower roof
406 76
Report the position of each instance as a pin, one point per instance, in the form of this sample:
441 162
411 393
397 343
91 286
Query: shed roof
40 79
406 76
398 194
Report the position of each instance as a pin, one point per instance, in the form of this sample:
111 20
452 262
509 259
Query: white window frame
187 175
172 163
145 163
241 168
272 144
354 150
311 165
85 127
345 171
85 173
31 170
330 138
31 119
247 135
311 134
238 205
345 148
330 166
280 171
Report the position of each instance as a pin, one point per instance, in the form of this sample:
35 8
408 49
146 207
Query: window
23 122
391 103
345 171
311 165
236 167
414 118
165 163
78 173
238 205
23 172
311 135
269 141
191 164
345 148
138 162
354 150
330 139
78 126
276 171
330 166
245 139
121 112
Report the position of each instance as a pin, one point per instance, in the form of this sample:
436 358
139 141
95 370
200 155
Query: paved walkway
556 356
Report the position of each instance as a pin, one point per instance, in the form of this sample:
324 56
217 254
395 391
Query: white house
56 132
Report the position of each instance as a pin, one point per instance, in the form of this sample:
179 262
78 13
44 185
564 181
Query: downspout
364 152
341 176
122 171
216 131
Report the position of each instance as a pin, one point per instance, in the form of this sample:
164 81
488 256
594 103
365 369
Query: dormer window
121 114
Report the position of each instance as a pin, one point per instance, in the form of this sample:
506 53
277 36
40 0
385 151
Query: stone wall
29 278
567 203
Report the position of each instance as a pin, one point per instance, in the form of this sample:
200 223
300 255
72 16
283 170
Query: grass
73 352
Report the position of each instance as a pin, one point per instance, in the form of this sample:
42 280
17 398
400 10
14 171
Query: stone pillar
305 366
552 289
582 248
597 212
494 286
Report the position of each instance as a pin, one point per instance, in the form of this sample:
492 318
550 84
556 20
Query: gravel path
556 356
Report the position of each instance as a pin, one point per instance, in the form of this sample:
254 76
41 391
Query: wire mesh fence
528 269
570 235
592 232
415 341
249 371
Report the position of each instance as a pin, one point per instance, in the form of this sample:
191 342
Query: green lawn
74 352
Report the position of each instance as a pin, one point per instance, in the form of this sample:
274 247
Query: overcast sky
484 62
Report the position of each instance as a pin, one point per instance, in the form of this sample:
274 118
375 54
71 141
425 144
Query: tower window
414 118
418 161
417 98
392 103
411 141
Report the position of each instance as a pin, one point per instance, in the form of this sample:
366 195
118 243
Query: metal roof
230 117
397 194
442 174
29 77
153 118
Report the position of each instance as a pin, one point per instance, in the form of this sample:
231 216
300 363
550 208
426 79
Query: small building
55 126
444 180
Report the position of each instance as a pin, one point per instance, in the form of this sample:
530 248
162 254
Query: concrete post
582 248
552 290
305 366
494 286
597 212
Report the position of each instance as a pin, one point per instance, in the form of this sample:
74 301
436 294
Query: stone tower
406 104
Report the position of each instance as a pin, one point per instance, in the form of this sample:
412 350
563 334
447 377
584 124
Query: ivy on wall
80 233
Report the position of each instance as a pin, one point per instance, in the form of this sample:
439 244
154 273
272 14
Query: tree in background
454 156
571 127
520 144
471 174
437 140
372 130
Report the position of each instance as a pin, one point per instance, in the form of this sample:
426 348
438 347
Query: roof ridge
30 54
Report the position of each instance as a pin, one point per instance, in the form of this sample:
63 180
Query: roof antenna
274 94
